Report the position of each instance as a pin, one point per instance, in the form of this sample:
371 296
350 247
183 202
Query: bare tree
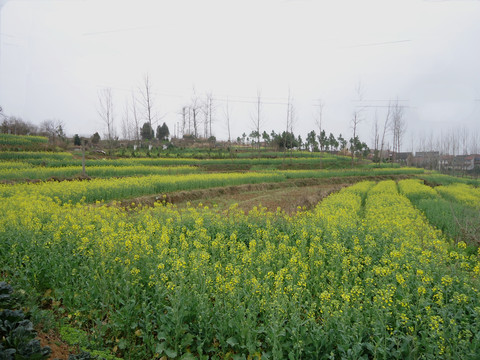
146 101
208 115
357 116
398 127
211 109
184 120
376 137
290 119
136 120
319 115
227 119
432 144
464 137
126 125
412 142
475 142
53 129
105 111
257 117
195 112
386 127
205 119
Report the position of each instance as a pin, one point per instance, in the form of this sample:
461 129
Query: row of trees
140 121
52 129
147 133
287 140
139 116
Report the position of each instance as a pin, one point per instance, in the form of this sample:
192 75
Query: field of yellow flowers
364 275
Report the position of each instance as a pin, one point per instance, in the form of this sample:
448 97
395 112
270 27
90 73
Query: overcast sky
55 56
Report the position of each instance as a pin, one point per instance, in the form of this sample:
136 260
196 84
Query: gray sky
56 55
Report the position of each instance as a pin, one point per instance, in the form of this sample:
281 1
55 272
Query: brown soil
288 195
289 199
60 350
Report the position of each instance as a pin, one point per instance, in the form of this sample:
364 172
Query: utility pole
84 144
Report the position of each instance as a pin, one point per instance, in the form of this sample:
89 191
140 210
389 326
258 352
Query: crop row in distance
128 187
14 172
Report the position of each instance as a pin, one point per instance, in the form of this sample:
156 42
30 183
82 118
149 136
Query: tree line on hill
139 122
52 129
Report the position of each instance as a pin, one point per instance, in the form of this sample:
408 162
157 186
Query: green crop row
43 173
66 159
443 207
35 157
129 187
293 174
124 188
10 165
441 179
21 140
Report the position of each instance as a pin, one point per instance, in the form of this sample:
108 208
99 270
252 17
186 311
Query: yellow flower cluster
123 188
462 193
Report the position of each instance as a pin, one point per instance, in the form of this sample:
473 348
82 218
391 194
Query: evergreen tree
95 138
146 132
76 140
162 132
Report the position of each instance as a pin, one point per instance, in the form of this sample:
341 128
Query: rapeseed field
363 275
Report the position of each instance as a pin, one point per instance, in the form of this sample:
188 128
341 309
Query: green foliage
455 218
286 140
358 148
95 138
146 131
76 140
6 291
107 171
359 276
35 157
162 132
312 141
22 142
92 355
128 187
17 336
73 336
441 179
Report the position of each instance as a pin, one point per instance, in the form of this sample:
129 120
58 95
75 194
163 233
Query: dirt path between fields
288 195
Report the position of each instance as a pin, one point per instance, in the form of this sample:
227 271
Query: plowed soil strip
289 195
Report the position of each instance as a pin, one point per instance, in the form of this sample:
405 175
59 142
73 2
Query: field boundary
198 194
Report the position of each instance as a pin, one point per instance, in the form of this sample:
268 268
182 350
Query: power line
378 44
382 106
11 36
391 100
251 97
250 102
220 99
114 31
